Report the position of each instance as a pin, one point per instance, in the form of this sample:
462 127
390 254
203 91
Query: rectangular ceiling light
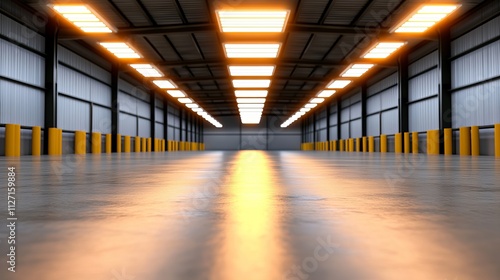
356 70
383 50
251 83
165 84
84 18
197 109
305 110
192 105
251 100
250 71
251 106
176 93
424 18
252 21
251 110
251 50
317 100
326 93
185 100
147 70
250 93
120 50
310 105
338 84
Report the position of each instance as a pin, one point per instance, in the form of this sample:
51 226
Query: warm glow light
197 109
252 21
424 18
311 105
251 83
317 100
176 93
305 110
251 70
251 50
357 70
165 84
326 93
251 100
84 18
121 50
147 70
250 93
185 100
192 105
251 110
338 84
383 50
254 106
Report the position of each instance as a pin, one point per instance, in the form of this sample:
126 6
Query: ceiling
182 38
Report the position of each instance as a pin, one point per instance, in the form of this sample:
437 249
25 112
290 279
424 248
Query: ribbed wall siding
159 131
173 129
101 121
20 33
144 127
73 114
21 104
373 125
478 105
424 115
159 115
75 61
21 65
127 124
382 106
423 64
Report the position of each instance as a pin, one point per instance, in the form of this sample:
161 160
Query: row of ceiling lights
418 21
89 21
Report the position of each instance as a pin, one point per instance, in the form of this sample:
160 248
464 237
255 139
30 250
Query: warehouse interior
250 139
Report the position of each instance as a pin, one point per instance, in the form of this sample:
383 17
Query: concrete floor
254 215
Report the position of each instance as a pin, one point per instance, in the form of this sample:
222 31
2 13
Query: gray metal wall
350 116
382 106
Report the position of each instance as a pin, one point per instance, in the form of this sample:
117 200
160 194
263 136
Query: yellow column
118 143
53 141
497 140
341 145
474 140
398 138
433 142
365 144
371 144
149 144
351 144
126 144
137 144
143 145
414 142
18 140
36 140
448 141
407 142
465 141
108 143
383 143
96 143
11 140
80 142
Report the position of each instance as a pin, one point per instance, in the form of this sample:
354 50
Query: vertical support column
11 140
328 123
465 141
339 119
383 143
115 109
152 120
36 140
403 77
407 143
109 140
96 143
50 106
165 120
80 142
371 144
398 138
433 142
126 144
474 140
314 131
445 109
448 141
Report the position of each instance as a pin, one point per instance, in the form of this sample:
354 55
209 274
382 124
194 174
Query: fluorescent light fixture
251 100
165 84
185 100
263 71
120 50
317 100
176 93
250 106
250 93
84 17
147 70
251 83
383 49
310 105
251 110
338 84
305 110
252 21
197 110
192 105
356 70
326 93
252 50
424 18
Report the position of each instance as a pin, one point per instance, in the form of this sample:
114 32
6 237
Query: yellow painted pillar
36 141
137 144
497 140
118 143
341 145
126 144
371 144
352 146
398 145
149 144
474 130
414 143
407 142
365 144
53 141
11 140
144 145
358 145
448 141
96 143
109 137
80 142
433 142
383 143
18 140
465 141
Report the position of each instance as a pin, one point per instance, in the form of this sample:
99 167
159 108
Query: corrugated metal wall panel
173 110
387 82
424 63
333 133
390 122
356 130
345 114
333 118
423 86
389 98
355 97
322 113
159 103
476 37
101 121
159 131
133 90
100 93
159 115
170 133
143 109
20 104
72 59
21 65
21 34
344 131
356 111
100 74
173 120
127 103
373 125
73 114
467 69
144 128
128 125
321 135
73 83
177 134
373 104
424 115
321 123
477 105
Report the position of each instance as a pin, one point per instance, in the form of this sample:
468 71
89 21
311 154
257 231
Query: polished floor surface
254 215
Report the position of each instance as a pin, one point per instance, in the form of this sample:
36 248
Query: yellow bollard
398 145
60 141
36 141
474 130
383 143
80 142
53 141
143 145
365 144
126 144
18 140
149 145
137 144
371 144
433 142
118 143
341 143
465 141
351 144
109 137
497 140
414 142
96 143
448 141
11 140
407 142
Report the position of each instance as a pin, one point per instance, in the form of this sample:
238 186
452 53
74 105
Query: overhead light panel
251 83
250 100
383 50
250 93
165 84
176 93
356 70
310 105
243 110
338 84
197 110
317 100
424 18
252 21
326 93
185 100
251 106
192 105
120 50
305 110
256 71
147 70
84 17
251 50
